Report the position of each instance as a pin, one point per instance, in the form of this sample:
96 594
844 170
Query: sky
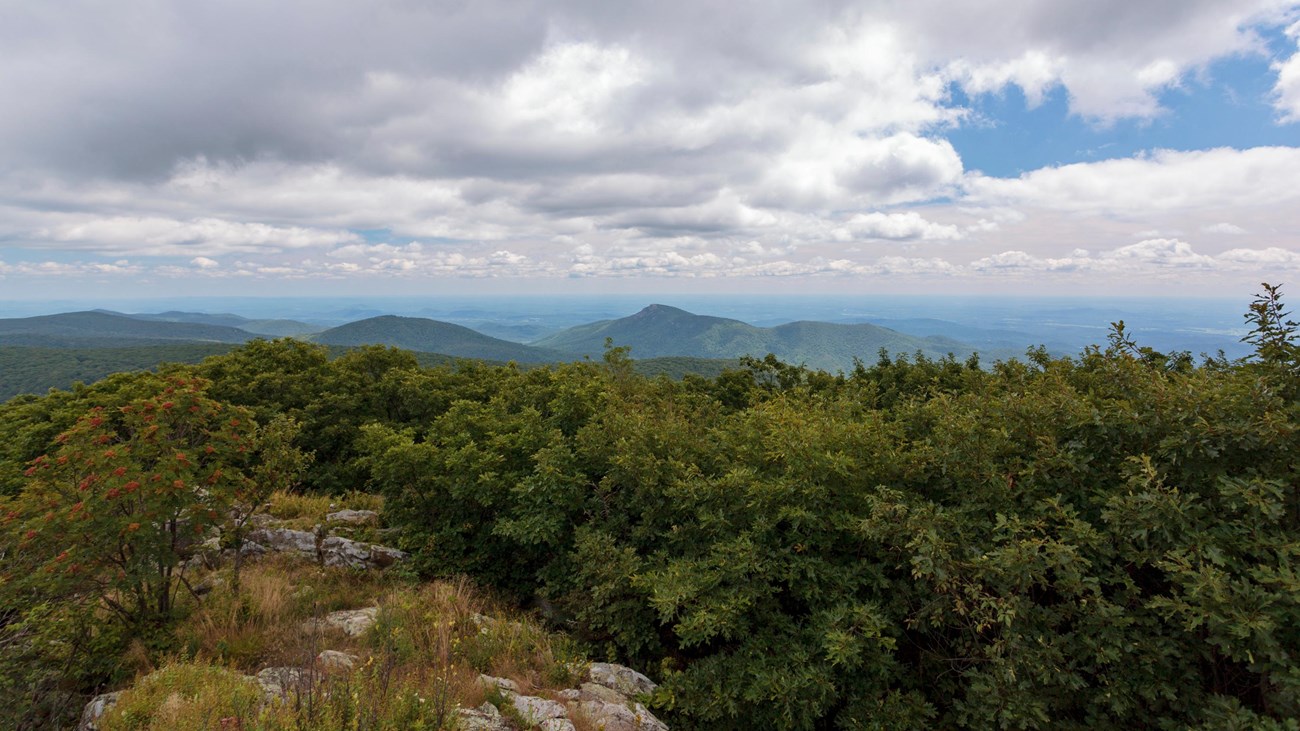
404 147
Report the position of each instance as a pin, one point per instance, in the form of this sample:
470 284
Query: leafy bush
1104 541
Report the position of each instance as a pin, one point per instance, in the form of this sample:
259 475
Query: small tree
279 467
1272 333
107 516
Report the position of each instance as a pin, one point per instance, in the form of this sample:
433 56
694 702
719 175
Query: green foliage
659 331
1105 541
36 370
109 513
183 697
1064 543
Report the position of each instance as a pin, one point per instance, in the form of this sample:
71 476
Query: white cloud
896 227
1286 91
155 235
1033 71
1272 256
1223 227
1164 180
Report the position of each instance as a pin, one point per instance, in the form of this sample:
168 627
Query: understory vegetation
1103 541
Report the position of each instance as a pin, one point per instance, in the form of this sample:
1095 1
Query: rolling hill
431 336
660 331
276 328
104 329
37 370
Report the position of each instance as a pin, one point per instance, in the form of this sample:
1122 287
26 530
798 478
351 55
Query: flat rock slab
353 517
621 678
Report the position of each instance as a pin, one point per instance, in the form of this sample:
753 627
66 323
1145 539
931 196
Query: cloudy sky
444 146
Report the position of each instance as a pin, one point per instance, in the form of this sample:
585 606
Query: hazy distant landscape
44 351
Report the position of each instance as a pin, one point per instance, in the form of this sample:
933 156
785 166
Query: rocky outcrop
625 680
325 549
353 517
484 718
97 707
336 551
280 682
605 701
352 622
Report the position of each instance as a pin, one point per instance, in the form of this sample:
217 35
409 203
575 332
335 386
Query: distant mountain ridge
278 328
103 329
661 331
433 336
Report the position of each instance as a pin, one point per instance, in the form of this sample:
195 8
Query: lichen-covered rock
284 540
97 707
593 692
333 660
556 724
623 679
336 551
279 682
353 517
624 716
504 685
484 718
353 622
534 710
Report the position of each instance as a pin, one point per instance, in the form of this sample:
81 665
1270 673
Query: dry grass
292 506
418 664
264 625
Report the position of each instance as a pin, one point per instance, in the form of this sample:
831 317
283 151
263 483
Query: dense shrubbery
1101 541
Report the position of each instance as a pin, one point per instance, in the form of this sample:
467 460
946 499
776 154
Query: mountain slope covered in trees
660 330
431 336
104 329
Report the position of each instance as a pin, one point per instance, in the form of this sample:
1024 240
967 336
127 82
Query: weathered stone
284 540
353 622
623 679
484 718
97 707
618 716
593 692
534 710
503 684
333 660
556 724
336 551
354 517
278 682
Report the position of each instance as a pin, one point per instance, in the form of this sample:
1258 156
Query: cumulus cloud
503 138
896 227
1286 92
164 236
1163 180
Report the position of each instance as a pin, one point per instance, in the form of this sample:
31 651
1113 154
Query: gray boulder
623 679
97 707
484 718
284 540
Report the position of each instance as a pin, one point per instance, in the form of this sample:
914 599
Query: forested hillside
1102 541
431 336
662 331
